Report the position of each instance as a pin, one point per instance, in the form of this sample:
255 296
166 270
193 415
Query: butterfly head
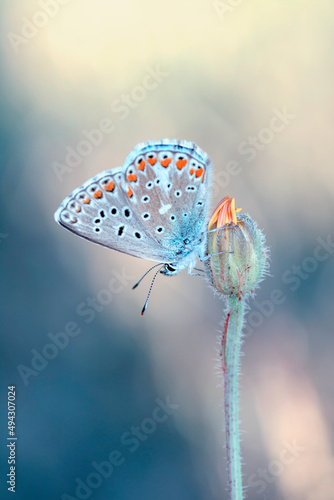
170 269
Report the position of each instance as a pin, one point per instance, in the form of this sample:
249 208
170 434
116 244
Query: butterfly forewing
153 207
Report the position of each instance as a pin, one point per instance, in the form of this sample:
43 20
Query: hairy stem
231 342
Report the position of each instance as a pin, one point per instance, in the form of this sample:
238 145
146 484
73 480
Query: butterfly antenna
149 292
135 286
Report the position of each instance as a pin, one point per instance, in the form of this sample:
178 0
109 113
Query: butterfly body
153 207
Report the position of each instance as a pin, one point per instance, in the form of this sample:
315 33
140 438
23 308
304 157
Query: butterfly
154 207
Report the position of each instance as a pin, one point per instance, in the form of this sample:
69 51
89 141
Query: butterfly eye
170 268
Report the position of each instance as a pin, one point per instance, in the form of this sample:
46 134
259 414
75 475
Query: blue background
223 71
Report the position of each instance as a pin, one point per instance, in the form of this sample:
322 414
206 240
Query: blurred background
252 84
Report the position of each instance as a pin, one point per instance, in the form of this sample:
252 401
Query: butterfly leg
191 268
197 274
203 259
206 257
200 270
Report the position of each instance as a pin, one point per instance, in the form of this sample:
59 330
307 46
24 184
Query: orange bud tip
225 213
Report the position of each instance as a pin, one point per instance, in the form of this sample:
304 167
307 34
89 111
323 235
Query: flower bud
236 252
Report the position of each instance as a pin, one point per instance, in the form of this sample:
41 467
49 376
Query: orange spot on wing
86 200
98 194
78 209
129 192
191 171
132 177
152 161
181 163
166 162
199 172
110 186
141 165
203 177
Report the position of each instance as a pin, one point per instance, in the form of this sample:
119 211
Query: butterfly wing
153 207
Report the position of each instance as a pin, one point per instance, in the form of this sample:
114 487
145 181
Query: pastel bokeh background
252 84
